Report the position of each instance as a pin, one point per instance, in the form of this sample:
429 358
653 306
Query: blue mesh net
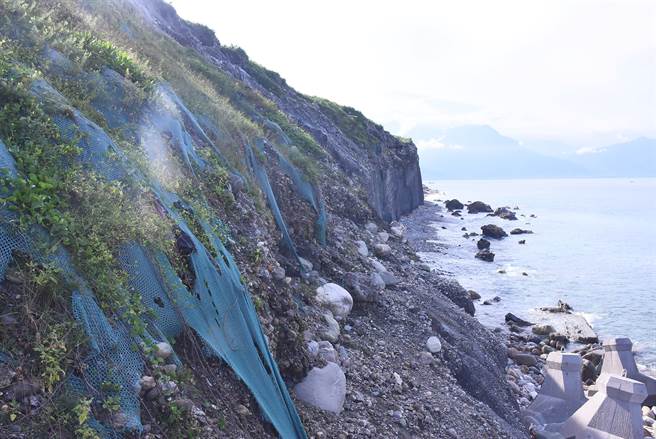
218 306
263 181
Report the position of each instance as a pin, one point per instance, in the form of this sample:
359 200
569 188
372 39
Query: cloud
433 144
570 71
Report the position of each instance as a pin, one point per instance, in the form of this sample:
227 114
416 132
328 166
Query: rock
453 205
512 318
168 387
473 295
364 288
542 329
331 331
383 236
505 213
371 227
163 350
483 244
306 265
521 241
324 388
389 278
594 356
588 371
313 348
242 410
237 184
518 231
485 255
377 281
169 368
25 389
397 231
425 358
378 266
646 411
278 273
327 352
382 250
525 359
478 207
493 231
433 344
147 382
335 298
362 248
153 393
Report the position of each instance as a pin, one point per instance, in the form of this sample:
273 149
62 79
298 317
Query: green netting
263 181
218 306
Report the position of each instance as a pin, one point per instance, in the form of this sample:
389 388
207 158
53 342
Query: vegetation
349 120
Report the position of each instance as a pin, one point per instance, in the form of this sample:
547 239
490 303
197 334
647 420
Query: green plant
112 403
82 411
52 352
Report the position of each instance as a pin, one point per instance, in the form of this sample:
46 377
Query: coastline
527 343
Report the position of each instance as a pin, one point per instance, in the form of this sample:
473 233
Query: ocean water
594 246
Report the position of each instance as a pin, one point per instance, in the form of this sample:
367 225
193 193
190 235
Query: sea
593 246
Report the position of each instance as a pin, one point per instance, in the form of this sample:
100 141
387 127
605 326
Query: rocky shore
527 343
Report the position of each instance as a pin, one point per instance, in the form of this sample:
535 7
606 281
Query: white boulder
335 298
324 388
433 344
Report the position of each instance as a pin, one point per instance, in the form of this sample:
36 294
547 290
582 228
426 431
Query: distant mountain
480 152
636 158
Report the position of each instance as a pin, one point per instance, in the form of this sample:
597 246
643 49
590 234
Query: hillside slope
172 218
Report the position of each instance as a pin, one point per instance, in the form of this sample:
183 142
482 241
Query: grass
350 121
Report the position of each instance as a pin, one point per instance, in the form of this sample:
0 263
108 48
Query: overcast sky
578 71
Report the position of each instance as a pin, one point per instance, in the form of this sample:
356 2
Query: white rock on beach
433 344
335 298
324 388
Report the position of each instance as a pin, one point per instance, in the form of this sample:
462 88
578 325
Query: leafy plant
52 353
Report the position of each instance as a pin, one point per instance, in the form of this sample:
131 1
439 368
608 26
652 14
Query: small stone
169 387
362 248
306 265
147 382
170 368
382 250
378 266
163 350
646 411
389 279
327 352
542 329
425 358
242 410
383 237
397 231
371 227
433 344
278 273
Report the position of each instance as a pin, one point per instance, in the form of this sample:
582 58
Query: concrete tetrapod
619 358
561 393
612 413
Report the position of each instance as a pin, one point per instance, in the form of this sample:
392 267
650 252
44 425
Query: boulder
505 213
278 273
397 231
371 227
163 350
364 288
433 344
383 237
485 255
512 318
473 295
382 250
525 359
327 352
324 388
519 231
389 279
453 205
483 244
478 207
493 231
522 241
331 330
543 329
378 266
362 248
335 298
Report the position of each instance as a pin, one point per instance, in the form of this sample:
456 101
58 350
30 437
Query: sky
582 72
